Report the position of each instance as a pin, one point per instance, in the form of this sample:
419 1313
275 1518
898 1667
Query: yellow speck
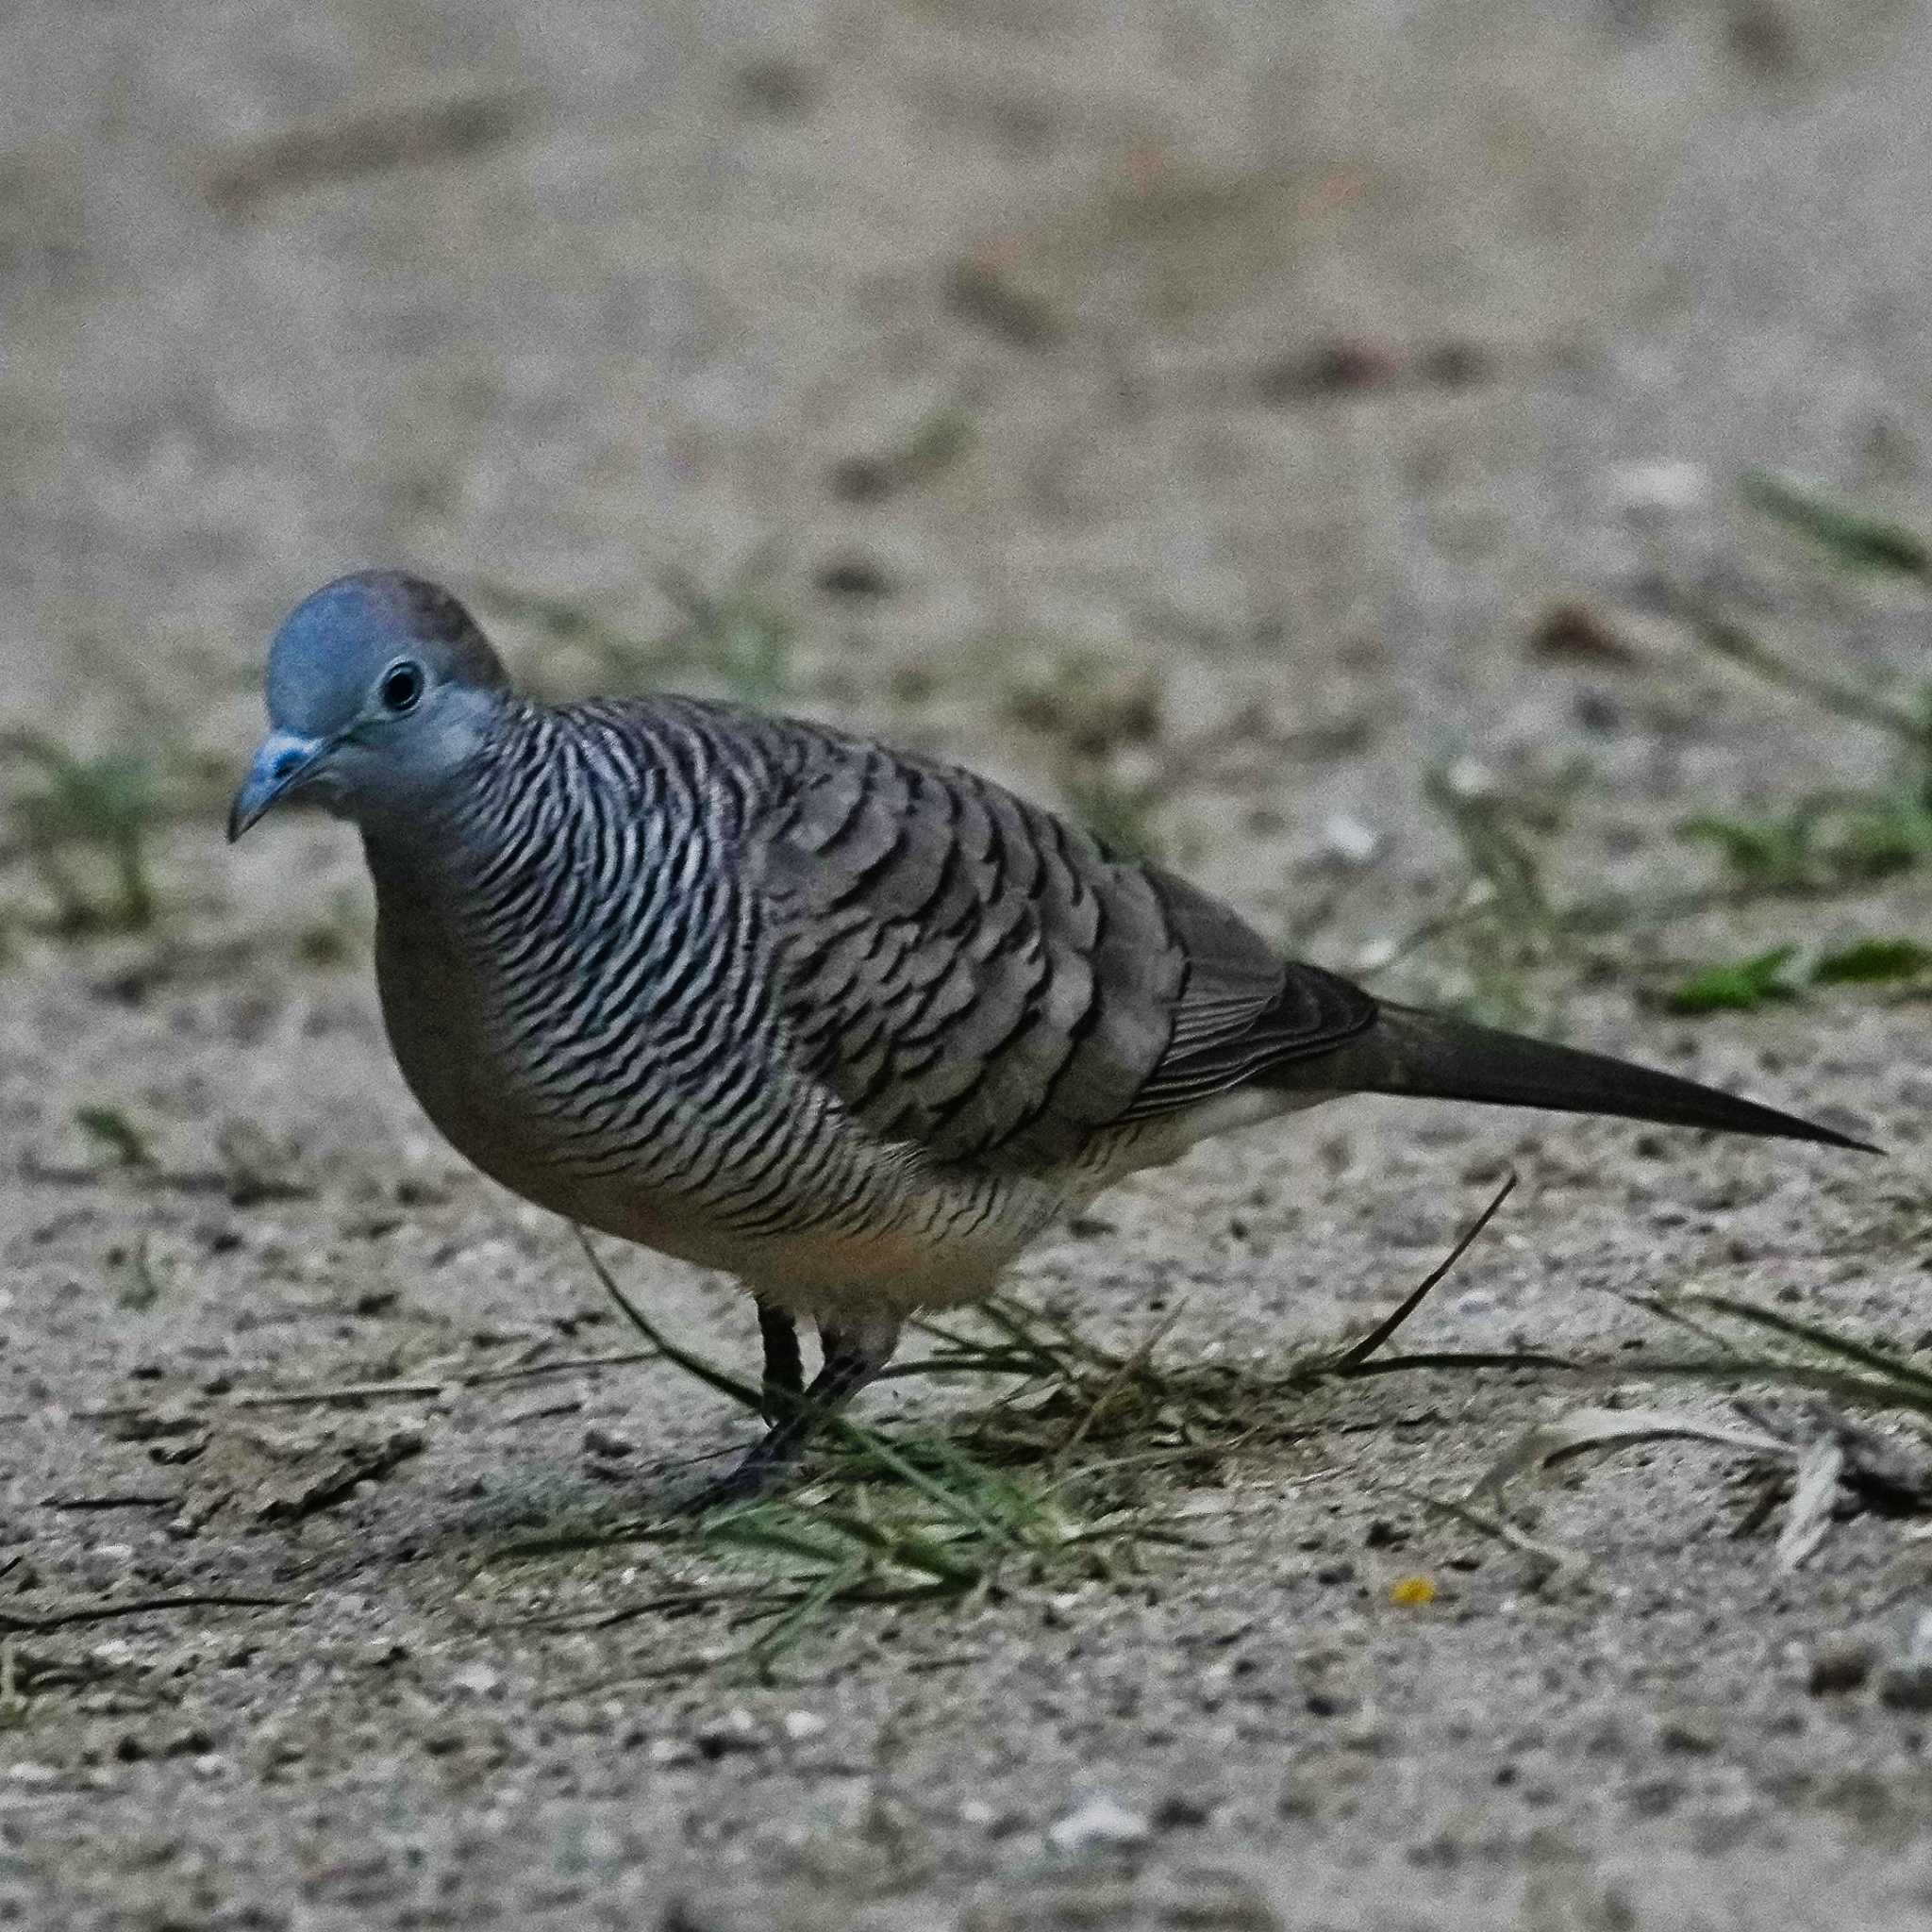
1411 1591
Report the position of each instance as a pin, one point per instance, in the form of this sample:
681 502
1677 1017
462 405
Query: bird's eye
401 686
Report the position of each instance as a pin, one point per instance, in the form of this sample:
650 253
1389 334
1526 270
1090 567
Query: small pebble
1182 1811
1696 1731
1101 1824
1347 840
1907 1687
737 1730
1330 1703
1840 1664
1639 488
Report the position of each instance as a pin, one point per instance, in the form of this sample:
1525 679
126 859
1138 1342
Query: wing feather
983 980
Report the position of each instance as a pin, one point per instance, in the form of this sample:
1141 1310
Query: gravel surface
1220 419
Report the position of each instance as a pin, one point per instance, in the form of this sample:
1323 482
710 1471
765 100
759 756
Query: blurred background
1284 434
1449 474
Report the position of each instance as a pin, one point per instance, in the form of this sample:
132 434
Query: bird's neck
429 849
426 844
564 814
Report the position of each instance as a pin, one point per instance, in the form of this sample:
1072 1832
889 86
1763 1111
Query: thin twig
112 1503
1111 1388
341 1392
670 1603
367 1391
1352 1360
485 1378
1732 641
1556 1558
1482 1358
741 1392
1888 1366
140 1607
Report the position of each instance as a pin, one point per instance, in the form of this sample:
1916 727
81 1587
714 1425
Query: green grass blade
714 1377
1843 1346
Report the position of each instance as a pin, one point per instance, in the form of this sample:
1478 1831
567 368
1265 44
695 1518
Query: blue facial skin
317 686
328 652
337 728
280 763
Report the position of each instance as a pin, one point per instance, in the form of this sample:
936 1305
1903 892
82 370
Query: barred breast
586 988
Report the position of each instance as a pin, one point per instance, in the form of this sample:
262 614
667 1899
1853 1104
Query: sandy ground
1211 403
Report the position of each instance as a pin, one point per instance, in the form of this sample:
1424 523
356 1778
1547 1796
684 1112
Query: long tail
1408 1051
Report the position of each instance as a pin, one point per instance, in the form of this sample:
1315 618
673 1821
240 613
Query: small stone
1576 631
1689 1731
1656 1797
1182 1811
1348 842
1840 1664
606 1443
802 1727
853 576
1907 1687
773 87
1918 1644
1103 1824
737 1730
477 1677
1469 778
1640 489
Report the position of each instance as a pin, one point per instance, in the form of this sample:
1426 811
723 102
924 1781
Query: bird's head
380 686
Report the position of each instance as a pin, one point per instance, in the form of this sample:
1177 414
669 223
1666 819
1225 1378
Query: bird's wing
978 978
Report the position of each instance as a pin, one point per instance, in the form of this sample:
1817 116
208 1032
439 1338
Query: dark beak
282 761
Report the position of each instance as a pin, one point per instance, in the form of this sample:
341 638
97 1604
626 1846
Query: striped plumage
578 983
716 982
852 1024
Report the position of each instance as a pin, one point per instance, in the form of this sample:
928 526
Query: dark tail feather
1428 1054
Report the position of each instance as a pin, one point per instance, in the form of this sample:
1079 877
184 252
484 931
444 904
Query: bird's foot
853 1355
762 1468
784 1377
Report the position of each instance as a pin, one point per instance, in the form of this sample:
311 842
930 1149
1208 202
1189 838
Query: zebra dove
852 1024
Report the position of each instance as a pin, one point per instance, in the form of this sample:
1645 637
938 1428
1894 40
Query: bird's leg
853 1355
784 1377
